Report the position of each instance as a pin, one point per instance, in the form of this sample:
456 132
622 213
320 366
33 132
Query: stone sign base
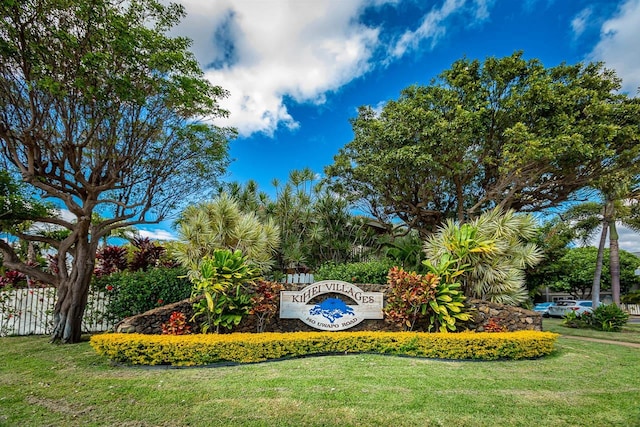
512 318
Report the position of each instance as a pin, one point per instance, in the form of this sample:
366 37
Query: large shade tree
507 133
104 113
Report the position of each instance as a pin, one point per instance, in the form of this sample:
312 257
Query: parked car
562 307
543 308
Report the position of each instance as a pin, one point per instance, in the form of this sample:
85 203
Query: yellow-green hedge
190 350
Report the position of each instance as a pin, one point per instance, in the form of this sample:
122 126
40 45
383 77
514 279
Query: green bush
374 272
203 349
222 279
136 292
607 317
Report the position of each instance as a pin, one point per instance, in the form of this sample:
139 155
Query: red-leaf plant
111 259
409 296
265 302
176 325
493 325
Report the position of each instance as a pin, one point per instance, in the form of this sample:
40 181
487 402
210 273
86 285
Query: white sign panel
332 314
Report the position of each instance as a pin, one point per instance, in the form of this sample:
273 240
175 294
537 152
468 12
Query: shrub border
201 349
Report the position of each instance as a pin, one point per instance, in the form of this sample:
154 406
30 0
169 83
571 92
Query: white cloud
628 239
618 45
267 52
433 26
580 22
157 234
379 107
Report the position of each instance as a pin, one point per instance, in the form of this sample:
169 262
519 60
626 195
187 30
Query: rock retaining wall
484 312
510 318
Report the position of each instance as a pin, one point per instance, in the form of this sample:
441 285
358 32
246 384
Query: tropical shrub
409 296
609 318
493 325
110 259
494 249
405 251
13 279
264 302
448 305
576 320
221 289
373 272
220 224
202 349
176 325
433 297
135 292
145 254
631 298
606 317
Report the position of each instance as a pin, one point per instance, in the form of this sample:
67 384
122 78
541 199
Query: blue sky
297 70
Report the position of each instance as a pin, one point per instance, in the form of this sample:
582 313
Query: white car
562 307
543 308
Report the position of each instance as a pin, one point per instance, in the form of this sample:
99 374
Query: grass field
581 384
629 333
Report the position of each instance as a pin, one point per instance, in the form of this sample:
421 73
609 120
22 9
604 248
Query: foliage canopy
507 133
103 112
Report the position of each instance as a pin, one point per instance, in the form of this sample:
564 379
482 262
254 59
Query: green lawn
629 333
581 383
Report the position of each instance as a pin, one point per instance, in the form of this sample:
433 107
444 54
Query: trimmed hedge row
192 350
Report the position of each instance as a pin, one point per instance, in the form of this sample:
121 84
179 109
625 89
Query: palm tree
316 225
220 224
493 250
620 203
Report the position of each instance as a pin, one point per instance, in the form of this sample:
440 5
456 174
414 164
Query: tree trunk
73 292
69 309
595 289
614 263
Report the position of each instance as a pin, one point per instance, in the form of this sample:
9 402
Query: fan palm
493 250
220 224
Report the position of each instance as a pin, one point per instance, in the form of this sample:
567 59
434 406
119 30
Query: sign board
334 313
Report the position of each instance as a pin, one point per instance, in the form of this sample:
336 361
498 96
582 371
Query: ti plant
434 296
265 302
409 296
448 305
219 289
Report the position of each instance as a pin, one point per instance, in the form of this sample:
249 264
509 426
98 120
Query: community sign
333 313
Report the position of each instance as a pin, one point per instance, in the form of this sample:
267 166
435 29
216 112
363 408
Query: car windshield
565 303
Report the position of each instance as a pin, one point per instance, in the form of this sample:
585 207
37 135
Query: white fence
30 311
631 308
299 278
